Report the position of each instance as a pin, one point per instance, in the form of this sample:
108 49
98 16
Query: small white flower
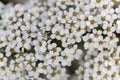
66 58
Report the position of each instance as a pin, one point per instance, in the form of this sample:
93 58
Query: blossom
60 40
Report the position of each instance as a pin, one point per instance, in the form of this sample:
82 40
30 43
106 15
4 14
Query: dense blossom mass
60 40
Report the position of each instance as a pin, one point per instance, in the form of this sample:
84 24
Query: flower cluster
57 39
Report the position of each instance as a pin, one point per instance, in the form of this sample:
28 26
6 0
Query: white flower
77 54
53 59
62 4
40 46
66 58
44 68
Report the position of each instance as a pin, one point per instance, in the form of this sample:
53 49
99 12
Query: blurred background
13 1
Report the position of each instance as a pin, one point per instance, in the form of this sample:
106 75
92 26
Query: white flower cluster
41 40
